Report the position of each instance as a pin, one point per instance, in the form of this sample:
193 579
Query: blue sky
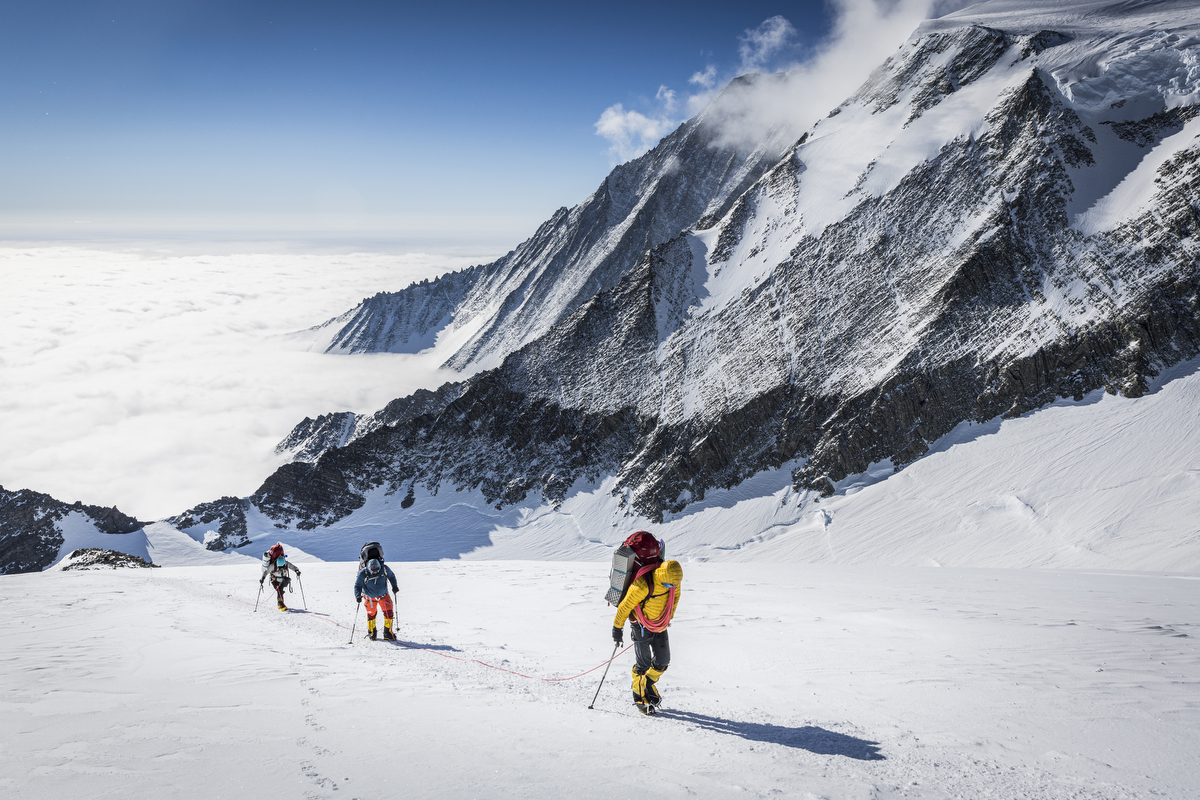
349 116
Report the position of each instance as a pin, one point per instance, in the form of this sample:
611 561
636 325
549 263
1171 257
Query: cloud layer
154 383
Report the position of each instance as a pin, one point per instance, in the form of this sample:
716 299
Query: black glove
297 572
618 636
359 599
260 580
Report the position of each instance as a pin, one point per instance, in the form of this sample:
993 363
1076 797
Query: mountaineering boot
651 688
387 631
639 692
371 629
653 698
282 607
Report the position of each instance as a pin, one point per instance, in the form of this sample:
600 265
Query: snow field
809 681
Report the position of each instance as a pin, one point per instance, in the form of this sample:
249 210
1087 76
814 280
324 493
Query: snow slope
157 543
1108 482
787 681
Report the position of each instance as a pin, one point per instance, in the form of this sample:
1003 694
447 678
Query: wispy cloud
631 133
666 97
760 46
706 78
864 33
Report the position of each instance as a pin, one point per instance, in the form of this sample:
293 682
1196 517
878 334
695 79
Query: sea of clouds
154 382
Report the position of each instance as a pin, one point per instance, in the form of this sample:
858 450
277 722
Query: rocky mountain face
312 437
1001 216
31 527
230 515
486 312
402 322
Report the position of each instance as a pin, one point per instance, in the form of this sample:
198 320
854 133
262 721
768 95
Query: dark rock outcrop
228 512
312 437
30 534
95 558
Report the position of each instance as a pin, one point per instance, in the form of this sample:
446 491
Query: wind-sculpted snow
484 313
947 247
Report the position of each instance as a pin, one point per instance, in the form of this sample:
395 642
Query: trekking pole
259 596
605 675
302 591
395 617
356 608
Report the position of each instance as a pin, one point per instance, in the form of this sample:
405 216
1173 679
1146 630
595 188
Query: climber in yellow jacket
651 601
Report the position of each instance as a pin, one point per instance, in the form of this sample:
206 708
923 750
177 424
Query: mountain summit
480 315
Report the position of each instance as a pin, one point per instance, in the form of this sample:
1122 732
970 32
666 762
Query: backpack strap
646 572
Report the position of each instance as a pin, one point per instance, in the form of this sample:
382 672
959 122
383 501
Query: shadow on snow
418 646
407 645
811 738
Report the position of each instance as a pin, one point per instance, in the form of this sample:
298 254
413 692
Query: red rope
659 623
467 660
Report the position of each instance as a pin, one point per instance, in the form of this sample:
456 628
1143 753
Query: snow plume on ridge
864 33
631 133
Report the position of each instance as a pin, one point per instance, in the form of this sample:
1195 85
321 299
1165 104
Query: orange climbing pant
377 604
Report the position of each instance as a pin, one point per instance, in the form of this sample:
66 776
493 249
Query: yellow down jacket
669 572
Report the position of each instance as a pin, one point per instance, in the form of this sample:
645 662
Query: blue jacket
374 587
